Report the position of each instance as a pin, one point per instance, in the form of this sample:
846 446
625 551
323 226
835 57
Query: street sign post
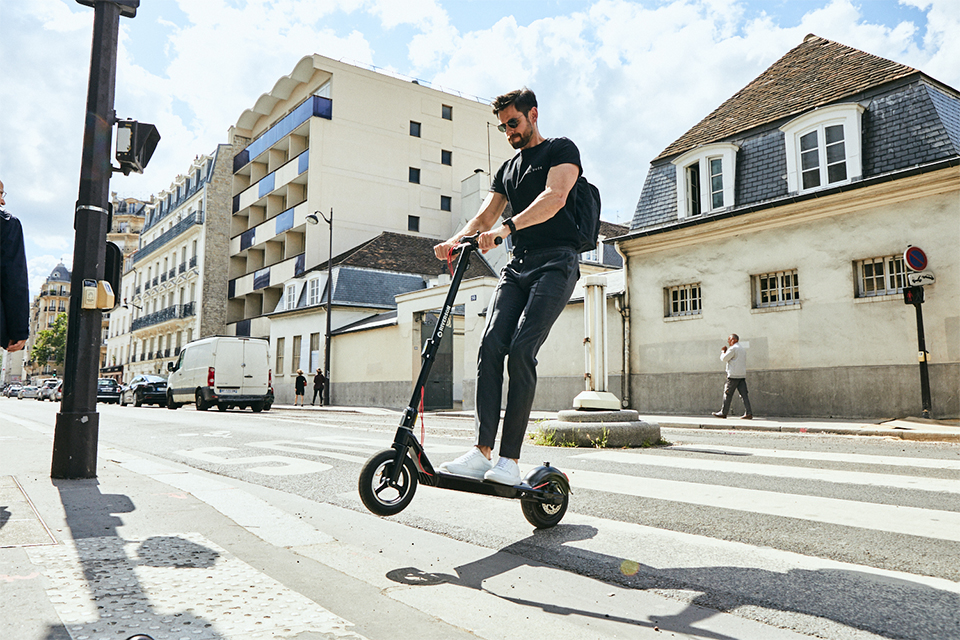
916 261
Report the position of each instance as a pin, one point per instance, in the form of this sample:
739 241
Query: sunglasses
512 123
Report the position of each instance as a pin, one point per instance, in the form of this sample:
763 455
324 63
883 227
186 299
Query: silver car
29 391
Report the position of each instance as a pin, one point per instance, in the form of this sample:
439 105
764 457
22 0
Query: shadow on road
890 607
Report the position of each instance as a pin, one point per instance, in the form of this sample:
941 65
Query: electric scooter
389 478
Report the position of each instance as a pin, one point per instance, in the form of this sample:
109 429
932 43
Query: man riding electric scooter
533 288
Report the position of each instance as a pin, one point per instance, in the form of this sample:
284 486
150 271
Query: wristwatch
509 223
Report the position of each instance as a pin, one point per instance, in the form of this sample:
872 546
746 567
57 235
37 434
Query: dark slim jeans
317 393
735 384
532 292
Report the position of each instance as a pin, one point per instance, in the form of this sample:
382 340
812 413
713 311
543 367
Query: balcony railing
163 277
183 266
194 218
172 273
193 262
169 313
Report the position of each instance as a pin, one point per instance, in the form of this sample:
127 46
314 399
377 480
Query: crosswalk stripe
927 523
827 456
778 471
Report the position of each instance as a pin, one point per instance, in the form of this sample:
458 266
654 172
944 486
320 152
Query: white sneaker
506 472
472 464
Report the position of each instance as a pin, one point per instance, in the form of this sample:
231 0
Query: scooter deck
444 480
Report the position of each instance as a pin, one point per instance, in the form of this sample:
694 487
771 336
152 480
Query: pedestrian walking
14 287
300 387
533 288
735 358
318 381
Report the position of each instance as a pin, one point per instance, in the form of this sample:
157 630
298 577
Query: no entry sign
915 259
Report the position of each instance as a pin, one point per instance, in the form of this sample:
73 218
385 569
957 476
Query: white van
221 371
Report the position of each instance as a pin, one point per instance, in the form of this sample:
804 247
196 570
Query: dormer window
705 179
823 148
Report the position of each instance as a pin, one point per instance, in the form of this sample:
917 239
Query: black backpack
586 213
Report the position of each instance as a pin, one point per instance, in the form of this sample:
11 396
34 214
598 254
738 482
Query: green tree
51 343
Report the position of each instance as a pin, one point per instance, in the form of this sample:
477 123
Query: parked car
222 372
144 389
58 396
48 389
29 391
108 390
13 390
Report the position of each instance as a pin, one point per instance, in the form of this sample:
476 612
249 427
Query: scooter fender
544 474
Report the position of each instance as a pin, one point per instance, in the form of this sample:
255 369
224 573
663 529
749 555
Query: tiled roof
405 254
813 74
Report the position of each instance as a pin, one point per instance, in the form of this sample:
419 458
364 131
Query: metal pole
923 356
326 347
77 426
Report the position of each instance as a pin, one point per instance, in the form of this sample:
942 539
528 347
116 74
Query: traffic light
913 295
136 142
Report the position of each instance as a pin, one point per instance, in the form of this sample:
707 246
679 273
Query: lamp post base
75 446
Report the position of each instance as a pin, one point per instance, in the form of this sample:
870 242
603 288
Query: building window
295 356
447 112
414 176
705 179
684 300
280 345
595 254
823 147
880 276
776 289
414 129
313 292
446 157
446 203
413 223
291 299
314 352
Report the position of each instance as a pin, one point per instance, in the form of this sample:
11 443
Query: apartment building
383 153
174 285
784 216
53 299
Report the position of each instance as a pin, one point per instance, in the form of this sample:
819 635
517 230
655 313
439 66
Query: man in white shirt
735 358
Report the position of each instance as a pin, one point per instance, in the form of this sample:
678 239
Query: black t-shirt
524 177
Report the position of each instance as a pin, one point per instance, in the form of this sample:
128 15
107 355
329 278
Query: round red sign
915 259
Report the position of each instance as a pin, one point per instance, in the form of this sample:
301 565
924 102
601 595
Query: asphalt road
830 536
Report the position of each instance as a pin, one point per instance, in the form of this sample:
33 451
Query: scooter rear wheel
544 516
378 494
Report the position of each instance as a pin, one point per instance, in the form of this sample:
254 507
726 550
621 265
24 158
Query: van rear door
228 369
255 368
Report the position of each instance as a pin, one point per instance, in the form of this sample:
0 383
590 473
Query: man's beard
522 142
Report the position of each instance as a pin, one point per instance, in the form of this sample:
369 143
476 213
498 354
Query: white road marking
927 523
826 456
291 466
725 465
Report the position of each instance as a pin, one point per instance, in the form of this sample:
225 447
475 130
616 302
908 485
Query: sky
622 79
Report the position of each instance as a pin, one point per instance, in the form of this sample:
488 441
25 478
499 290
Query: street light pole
78 423
314 219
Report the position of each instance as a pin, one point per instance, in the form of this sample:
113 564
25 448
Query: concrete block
599 429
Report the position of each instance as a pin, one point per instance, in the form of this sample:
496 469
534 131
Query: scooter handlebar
472 241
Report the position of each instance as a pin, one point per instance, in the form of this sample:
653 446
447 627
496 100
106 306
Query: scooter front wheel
544 516
378 493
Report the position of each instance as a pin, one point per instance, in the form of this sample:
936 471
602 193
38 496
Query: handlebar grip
498 240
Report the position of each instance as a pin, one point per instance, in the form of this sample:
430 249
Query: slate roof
371 288
405 254
910 122
815 73
59 274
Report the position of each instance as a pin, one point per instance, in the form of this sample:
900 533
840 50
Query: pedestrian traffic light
913 295
136 142
112 268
